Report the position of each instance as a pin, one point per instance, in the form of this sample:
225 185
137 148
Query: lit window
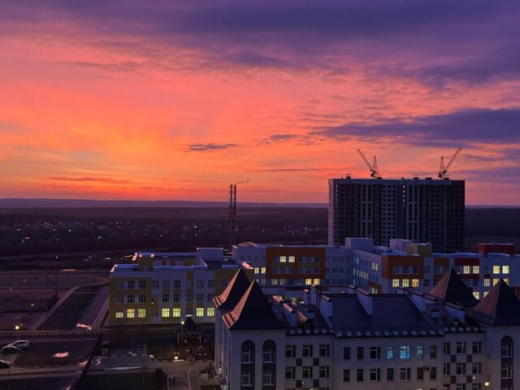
506 280
130 313
476 269
292 259
487 282
406 283
141 313
404 352
496 269
505 269
495 281
316 281
274 282
466 269
176 312
395 282
210 311
257 270
415 282
283 259
200 312
165 313
308 282
119 314
263 270
476 294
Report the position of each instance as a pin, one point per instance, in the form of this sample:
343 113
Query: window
360 375
283 259
119 314
390 374
155 284
131 285
189 298
166 298
324 371
211 284
375 375
506 349
189 311
120 285
324 350
247 379
269 352
375 353
290 351
404 374
446 348
446 369
505 269
346 375
141 313
176 312
395 282
307 350
130 299
404 352
476 269
420 373
142 298
210 311
209 298
176 284
200 312
200 283
476 368
460 347
130 313
360 353
166 284
433 352
268 378
292 259
290 372
476 347
248 352
420 352
496 269
200 298
165 312
346 353
507 371
433 373
487 282
306 372
389 353
460 369
142 284
119 299
466 269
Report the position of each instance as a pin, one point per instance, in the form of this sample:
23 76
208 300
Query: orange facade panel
389 262
296 268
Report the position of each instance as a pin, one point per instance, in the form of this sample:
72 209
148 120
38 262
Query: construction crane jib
374 171
443 170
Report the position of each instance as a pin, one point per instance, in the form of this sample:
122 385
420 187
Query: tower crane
444 168
374 172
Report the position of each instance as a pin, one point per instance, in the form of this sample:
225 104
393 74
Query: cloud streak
209 147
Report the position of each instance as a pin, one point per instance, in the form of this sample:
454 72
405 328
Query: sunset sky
104 99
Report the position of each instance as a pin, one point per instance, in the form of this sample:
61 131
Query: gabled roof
236 288
252 312
500 306
190 326
451 289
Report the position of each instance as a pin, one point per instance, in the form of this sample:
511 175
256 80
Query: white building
440 340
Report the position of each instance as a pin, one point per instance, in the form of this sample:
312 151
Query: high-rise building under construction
422 210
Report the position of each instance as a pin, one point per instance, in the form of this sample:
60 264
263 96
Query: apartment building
406 264
282 268
165 288
355 339
421 210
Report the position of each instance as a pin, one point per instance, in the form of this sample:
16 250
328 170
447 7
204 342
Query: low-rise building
442 339
163 288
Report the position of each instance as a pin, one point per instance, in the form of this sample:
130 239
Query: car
21 344
4 364
10 350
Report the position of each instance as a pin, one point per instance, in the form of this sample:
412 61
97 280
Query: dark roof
253 311
190 326
500 306
451 289
389 311
233 292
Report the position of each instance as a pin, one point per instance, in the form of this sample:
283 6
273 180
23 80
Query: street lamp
182 333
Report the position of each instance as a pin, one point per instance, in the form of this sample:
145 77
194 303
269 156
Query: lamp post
182 333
